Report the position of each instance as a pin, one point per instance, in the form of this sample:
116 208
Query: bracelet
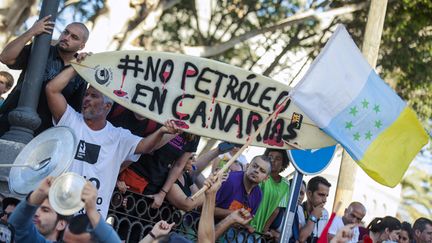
164 191
152 235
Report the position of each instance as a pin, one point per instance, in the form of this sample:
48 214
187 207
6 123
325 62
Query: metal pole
292 207
24 119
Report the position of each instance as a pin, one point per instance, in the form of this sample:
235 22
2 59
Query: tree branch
208 51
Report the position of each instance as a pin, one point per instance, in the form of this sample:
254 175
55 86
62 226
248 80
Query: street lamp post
24 119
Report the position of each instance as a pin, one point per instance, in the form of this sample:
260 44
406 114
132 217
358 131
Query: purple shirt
232 194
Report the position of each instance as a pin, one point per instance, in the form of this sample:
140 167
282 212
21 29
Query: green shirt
273 192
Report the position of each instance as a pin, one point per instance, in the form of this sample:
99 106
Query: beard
64 47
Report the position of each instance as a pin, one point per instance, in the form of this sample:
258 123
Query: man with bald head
16 55
352 215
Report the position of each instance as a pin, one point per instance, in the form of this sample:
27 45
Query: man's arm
271 219
102 231
13 49
221 213
159 229
178 199
56 101
307 230
174 173
149 143
240 216
21 218
206 232
204 160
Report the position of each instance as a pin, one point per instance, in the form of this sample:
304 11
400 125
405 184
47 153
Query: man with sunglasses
352 215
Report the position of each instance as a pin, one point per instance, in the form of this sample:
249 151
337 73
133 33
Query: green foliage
407 52
416 195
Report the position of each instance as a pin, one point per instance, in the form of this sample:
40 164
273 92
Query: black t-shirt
122 117
155 168
73 92
188 182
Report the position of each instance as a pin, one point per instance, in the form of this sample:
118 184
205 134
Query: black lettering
174 111
264 97
158 99
218 82
200 111
277 130
130 64
166 71
291 132
252 93
187 73
201 78
231 87
240 92
267 131
151 69
236 118
95 181
254 119
281 97
219 118
99 201
138 92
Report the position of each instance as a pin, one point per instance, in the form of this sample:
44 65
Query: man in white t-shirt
102 147
314 217
352 215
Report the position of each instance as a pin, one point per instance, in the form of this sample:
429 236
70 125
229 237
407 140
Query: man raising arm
102 147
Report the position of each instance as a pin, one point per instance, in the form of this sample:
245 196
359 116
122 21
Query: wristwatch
313 218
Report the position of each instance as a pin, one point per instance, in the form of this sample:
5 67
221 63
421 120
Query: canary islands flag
344 96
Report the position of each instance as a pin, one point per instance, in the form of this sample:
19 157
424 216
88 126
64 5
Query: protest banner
204 97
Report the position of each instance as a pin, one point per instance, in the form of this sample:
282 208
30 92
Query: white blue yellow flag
344 96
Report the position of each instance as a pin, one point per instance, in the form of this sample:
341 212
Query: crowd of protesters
133 153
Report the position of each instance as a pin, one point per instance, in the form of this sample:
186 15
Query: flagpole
370 48
291 209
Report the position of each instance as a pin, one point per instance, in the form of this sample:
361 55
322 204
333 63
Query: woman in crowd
384 229
406 234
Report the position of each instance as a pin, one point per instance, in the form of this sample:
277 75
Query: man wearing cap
8 204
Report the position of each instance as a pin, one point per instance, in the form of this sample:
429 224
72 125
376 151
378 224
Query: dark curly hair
285 160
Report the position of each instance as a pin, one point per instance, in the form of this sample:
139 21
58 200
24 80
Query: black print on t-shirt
87 152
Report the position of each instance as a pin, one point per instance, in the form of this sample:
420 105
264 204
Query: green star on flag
349 125
353 111
365 104
357 136
378 124
368 135
376 108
